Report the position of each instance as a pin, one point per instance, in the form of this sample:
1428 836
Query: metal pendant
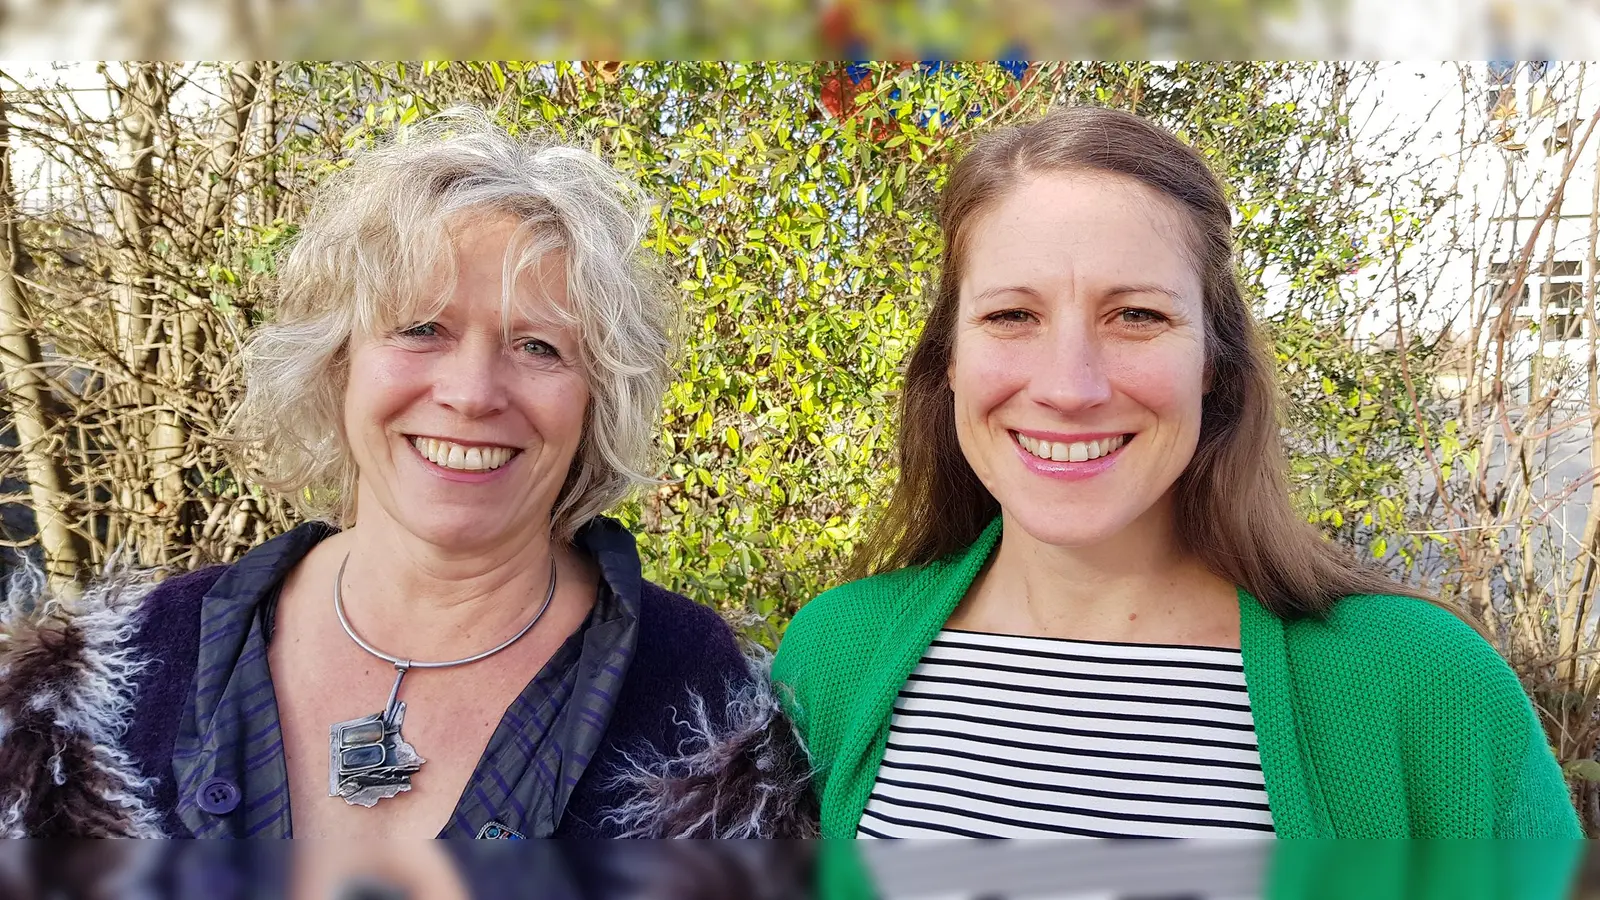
368 760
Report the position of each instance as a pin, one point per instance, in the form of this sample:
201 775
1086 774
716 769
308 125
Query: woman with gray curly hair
462 373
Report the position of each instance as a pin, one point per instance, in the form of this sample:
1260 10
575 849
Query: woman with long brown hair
1089 608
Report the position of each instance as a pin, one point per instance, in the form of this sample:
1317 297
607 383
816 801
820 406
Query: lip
1065 470
1063 437
464 443
457 475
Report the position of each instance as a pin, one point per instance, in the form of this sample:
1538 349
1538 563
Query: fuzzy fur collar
67 680
747 776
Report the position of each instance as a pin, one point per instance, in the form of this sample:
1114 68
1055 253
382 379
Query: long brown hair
1232 501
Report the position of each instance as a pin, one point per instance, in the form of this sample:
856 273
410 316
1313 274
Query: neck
1140 586
421 601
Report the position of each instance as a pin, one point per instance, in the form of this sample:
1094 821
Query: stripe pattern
1011 736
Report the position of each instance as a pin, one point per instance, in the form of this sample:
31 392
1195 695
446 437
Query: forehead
495 262
1089 227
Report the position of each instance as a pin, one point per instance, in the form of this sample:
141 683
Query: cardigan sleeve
1531 796
1471 722
1538 803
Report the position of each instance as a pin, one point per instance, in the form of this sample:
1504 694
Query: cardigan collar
931 598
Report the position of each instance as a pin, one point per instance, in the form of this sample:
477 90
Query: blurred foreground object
1276 870
791 29
414 870
791 870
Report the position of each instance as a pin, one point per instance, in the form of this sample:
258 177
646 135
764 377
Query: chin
454 532
1064 527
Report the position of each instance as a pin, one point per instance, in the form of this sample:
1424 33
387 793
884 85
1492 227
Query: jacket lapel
919 614
1292 790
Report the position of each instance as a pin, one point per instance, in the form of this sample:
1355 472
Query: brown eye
1010 317
1141 317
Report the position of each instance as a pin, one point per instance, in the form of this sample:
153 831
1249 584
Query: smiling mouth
463 457
1076 451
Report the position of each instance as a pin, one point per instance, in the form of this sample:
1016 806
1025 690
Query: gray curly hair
370 251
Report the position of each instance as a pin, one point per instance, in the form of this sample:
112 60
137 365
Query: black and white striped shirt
1007 736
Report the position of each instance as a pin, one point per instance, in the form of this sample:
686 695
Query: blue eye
536 347
421 329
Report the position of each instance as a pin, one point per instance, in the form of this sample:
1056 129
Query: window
1562 326
1563 294
1562 302
1502 274
1541 103
1556 311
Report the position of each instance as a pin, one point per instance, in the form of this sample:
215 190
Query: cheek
1171 385
559 409
380 382
983 375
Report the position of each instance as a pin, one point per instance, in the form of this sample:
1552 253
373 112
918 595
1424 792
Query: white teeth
463 458
1077 451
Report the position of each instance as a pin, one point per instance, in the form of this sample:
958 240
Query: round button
218 796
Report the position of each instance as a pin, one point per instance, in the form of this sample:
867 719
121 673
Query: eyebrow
1135 288
1004 289
1144 287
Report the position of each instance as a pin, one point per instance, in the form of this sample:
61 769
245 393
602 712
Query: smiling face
1078 367
463 427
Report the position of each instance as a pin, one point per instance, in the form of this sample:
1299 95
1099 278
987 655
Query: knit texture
1388 718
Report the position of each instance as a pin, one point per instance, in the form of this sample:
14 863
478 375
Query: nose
470 379
1070 374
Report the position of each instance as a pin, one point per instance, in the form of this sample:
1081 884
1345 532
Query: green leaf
1583 770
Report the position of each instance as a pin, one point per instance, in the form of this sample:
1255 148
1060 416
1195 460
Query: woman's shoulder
120 606
827 646
858 605
704 748
677 631
1382 666
1417 652
858 612
175 598
1408 631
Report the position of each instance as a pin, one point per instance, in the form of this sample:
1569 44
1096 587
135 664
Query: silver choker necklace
368 760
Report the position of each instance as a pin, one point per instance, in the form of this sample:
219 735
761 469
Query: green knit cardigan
1390 717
